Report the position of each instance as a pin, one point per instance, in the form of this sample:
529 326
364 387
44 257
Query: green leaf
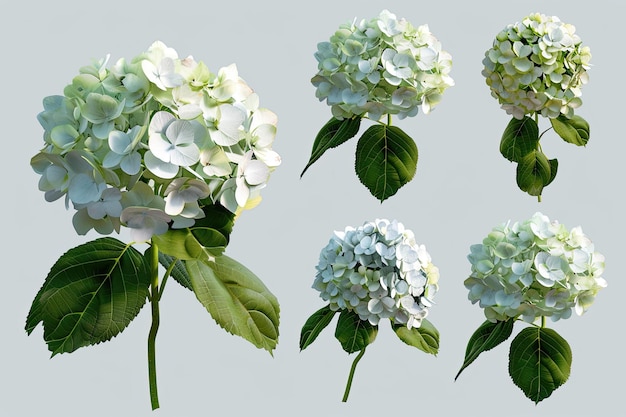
386 159
179 272
314 326
533 173
353 333
208 236
216 217
180 244
90 295
333 133
573 130
183 244
236 299
539 362
554 167
486 337
519 139
425 337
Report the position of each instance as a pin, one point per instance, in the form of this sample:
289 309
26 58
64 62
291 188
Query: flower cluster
378 271
534 269
148 142
537 66
381 66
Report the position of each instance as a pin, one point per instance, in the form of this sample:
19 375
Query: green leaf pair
355 334
540 359
95 290
386 157
520 144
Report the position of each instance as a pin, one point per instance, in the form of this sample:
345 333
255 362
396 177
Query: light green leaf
486 337
184 245
386 159
533 173
519 139
353 333
425 337
180 244
314 326
91 294
573 130
208 236
333 133
540 361
236 299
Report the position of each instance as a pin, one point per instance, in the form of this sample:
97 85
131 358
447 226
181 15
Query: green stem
154 301
543 321
351 376
388 120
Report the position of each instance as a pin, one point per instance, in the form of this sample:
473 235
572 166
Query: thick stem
154 301
351 376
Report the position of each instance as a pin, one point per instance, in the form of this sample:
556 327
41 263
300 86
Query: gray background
462 189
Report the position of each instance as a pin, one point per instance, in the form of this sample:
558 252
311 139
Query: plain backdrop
463 188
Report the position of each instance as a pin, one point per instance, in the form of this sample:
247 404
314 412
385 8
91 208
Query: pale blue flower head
378 271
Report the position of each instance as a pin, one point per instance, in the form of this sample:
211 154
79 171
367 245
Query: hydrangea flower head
381 66
537 268
159 122
537 65
379 271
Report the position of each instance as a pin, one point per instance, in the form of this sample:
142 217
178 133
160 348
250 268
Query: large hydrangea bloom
381 66
537 66
534 269
379 271
148 142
